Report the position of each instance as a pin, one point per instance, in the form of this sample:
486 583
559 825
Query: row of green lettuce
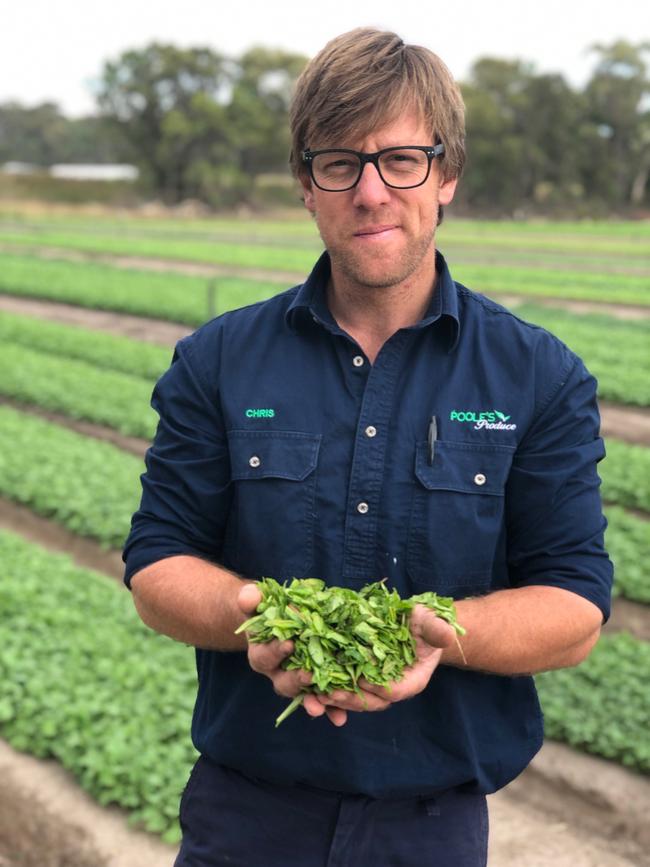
475 267
84 682
615 351
91 488
270 246
295 225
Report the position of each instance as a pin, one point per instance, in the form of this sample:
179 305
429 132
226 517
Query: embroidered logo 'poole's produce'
491 419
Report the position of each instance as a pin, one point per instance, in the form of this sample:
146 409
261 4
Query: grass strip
626 475
119 722
173 297
83 681
626 239
60 473
615 351
283 258
554 283
601 707
628 543
106 351
78 389
87 486
295 221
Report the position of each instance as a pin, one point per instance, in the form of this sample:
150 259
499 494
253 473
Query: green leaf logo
501 416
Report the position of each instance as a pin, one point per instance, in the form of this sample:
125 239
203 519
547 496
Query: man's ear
446 191
307 193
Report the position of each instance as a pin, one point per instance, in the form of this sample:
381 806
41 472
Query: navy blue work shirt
281 451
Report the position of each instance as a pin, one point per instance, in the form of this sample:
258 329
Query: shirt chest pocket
271 530
456 520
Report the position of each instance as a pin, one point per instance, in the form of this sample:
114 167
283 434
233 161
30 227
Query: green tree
618 96
494 96
201 125
32 135
41 135
521 131
259 108
168 104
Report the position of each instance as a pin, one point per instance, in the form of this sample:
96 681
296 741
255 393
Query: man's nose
371 190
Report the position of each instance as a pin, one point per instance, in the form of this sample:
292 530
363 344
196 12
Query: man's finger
337 716
269 655
287 683
434 630
249 598
352 701
313 707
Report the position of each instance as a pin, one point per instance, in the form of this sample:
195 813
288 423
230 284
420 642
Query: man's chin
380 274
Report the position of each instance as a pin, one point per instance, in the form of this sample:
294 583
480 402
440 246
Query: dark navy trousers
230 819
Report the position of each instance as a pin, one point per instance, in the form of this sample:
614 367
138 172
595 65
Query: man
377 421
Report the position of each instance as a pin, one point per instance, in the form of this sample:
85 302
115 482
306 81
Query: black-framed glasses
335 170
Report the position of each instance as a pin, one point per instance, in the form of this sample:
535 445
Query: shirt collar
310 303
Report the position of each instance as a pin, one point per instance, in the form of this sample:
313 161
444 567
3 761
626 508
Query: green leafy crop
83 680
341 635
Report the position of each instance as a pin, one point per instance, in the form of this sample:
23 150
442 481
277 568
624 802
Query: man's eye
402 158
340 163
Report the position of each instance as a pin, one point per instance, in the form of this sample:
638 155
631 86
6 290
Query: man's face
378 236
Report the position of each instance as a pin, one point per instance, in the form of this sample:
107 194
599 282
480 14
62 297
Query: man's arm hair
525 630
191 600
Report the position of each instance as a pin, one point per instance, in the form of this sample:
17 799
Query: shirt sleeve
555 524
185 489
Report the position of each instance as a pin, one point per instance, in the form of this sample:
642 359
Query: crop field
117 679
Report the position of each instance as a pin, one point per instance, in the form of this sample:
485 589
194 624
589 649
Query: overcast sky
53 49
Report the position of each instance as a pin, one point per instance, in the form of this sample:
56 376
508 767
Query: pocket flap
278 454
464 467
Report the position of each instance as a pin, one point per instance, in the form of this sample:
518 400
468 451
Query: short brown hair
362 81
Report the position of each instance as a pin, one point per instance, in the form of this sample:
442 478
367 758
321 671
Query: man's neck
371 315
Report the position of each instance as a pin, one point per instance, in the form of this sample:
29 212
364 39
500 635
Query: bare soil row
291 278
565 810
630 424
59 826
629 616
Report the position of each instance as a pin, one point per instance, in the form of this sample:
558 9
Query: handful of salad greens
341 635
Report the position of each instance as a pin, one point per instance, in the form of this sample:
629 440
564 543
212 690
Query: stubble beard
395 272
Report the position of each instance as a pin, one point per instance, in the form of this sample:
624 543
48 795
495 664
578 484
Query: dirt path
618 311
156 331
556 814
291 278
626 615
630 424
133 445
52 822
85 552
150 263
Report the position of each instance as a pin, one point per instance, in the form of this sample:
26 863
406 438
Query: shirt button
371 431
362 508
254 461
479 479
358 361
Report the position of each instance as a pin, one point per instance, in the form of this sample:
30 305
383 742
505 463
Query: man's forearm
525 630
192 601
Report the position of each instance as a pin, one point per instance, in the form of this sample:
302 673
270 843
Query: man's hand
267 658
432 634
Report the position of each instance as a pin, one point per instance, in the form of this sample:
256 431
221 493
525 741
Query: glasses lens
404 167
335 170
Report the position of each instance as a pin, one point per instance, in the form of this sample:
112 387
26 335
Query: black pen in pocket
432 437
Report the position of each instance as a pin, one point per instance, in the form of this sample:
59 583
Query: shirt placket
368 465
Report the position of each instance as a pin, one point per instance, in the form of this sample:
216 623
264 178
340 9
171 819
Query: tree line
205 126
